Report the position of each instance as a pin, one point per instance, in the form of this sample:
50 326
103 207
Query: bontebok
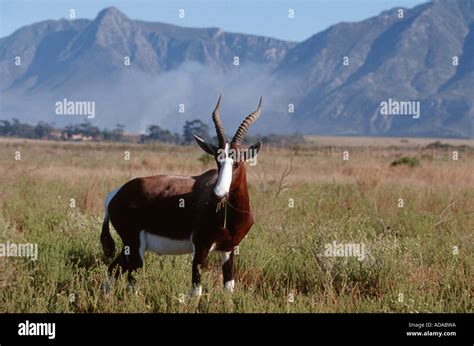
173 215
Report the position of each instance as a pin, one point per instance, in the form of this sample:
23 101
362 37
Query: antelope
175 215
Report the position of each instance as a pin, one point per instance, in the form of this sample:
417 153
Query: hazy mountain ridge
66 49
407 59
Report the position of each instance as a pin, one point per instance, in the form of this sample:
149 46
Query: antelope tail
108 243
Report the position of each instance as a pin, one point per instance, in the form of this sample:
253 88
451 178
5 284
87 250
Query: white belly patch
162 245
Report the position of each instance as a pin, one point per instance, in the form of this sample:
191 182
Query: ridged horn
216 118
244 127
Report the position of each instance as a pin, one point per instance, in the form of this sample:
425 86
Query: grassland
420 256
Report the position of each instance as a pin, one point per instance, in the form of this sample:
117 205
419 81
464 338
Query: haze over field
426 56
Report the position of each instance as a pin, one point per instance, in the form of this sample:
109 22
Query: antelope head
230 158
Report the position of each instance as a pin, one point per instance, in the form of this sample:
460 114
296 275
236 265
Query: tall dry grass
410 249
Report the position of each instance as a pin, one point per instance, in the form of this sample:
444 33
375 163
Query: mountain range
334 82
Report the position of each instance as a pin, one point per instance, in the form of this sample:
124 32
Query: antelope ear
208 148
252 151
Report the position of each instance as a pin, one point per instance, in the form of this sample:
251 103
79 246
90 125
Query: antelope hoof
229 286
132 288
106 287
196 291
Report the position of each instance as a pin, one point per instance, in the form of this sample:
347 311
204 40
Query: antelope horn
244 127
216 118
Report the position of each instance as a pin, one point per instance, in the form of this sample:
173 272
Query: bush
206 159
406 160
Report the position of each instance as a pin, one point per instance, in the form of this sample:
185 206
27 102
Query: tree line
87 132
154 133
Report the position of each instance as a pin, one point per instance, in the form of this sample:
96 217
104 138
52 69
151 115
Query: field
419 250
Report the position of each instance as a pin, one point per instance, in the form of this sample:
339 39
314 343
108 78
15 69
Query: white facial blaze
225 174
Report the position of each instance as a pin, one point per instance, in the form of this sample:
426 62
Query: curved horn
216 118
243 128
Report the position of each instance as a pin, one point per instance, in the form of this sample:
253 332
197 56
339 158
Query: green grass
410 251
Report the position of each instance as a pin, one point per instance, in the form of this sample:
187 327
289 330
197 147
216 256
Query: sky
259 17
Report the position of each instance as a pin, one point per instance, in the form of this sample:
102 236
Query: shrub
406 160
206 159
